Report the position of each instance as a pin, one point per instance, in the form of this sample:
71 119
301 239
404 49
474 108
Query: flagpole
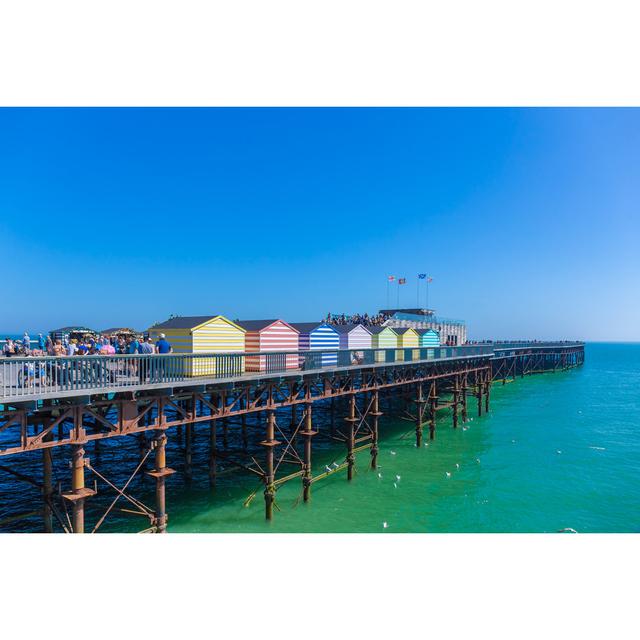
427 292
387 292
398 301
418 292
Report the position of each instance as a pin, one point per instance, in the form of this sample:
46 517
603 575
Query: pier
78 402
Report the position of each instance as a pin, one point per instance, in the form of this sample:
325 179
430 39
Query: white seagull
446 473
327 468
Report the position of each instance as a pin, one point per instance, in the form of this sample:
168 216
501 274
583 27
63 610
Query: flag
422 276
402 280
392 278
429 279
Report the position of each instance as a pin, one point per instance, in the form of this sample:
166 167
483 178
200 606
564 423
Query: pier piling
350 420
420 403
433 401
308 434
269 479
160 473
375 414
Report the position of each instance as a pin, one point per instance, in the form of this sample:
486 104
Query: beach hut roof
423 331
307 327
347 328
259 325
381 329
190 322
402 330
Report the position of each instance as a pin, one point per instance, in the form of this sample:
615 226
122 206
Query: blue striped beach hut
429 338
319 335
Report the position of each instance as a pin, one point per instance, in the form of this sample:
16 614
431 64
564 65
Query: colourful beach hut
204 334
384 338
270 335
319 335
354 336
429 338
408 338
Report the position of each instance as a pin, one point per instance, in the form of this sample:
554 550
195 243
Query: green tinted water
557 450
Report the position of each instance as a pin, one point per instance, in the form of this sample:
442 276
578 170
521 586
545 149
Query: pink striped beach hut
270 335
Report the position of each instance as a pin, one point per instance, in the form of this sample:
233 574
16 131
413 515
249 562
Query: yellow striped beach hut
204 334
408 338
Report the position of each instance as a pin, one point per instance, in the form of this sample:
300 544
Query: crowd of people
88 346
358 318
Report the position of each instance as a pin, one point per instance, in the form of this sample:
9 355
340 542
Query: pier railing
49 376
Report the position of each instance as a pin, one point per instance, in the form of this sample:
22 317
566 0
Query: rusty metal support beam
350 420
456 399
420 404
487 390
160 473
433 403
375 414
79 493
308 434
269 479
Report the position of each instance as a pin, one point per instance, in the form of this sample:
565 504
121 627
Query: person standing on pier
26 343
8 349
163 345
42 343
147 349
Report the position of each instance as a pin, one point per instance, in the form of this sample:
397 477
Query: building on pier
203 334
451 332
316 336
270 335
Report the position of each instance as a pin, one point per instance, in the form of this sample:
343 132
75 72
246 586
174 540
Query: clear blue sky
528 220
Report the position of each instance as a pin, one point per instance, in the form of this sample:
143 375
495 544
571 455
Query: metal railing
49 376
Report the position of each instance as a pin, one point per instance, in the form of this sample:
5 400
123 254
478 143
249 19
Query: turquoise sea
556 451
